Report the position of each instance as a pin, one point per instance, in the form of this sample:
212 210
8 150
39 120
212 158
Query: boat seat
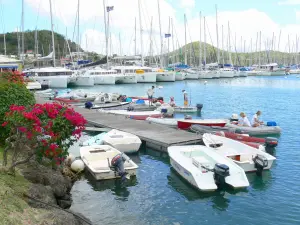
100 165
200 160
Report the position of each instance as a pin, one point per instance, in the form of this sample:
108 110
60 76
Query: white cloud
244 23
289 2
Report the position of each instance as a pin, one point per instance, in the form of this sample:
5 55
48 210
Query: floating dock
158 137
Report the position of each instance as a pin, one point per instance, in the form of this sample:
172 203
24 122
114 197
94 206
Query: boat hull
126 79
126 148
146 78
86 81
185 125
104 79
111 174
179 76
185 109
165 76
250 166
192 76
54 82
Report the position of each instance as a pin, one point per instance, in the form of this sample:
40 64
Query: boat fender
260 163
77 166
88 105
117 164
221 171
199 107
271 124
271 142
164 110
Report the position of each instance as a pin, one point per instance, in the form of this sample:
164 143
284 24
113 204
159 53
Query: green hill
236 58
44 40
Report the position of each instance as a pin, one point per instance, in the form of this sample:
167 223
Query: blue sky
273 14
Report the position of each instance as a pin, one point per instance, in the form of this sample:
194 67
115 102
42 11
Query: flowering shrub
12 91
46 130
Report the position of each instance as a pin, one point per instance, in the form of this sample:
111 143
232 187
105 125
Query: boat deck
156 136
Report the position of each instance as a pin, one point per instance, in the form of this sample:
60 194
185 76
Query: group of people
151 92
255 122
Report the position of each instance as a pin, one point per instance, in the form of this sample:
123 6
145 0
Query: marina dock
155 136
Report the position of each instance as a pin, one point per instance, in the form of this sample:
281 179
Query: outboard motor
160 99
117 163
130 108
199 107
271 142
260 162
221 171
88 105
44 85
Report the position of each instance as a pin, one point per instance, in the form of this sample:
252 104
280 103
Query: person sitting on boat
150 94
255 122
185 98
244 120
172 102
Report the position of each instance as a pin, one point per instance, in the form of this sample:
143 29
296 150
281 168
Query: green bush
12 93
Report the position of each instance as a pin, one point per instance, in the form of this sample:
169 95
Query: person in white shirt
150 94
244 120
255 122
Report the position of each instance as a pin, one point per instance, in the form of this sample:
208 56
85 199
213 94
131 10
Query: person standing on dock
150 94
185 98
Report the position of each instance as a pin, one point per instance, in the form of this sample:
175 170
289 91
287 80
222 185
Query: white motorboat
228 72
205 169
33 85
57 77
106 98
143 74
123 141
163 121
249 158
79 95
137 115
105 162
95 140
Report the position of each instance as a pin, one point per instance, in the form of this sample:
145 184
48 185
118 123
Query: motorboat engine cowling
117 163
271 142
88 105
199 107
260 163
221 171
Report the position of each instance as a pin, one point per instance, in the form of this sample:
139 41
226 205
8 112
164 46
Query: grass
13 207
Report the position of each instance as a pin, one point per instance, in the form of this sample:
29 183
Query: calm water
159 196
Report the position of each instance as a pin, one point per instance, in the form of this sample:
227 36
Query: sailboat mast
173 47
217 30
259 49
223 45
204 27
161 40
78 38
185 51
53 44
151 55
135 36
4 40
200 44
106 34
289 45
169 31
279 42
23 30
229 45
120 44
141 32
250 63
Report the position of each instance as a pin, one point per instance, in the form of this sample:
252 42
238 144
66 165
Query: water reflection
260 183
217 198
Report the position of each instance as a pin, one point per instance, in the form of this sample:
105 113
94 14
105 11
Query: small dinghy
163 121
188 109
95 140
140 115
123 141
205 169
261 130
186 124
201 129
249 158
109 105
105 162
268 141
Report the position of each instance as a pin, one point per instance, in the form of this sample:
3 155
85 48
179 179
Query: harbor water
159 196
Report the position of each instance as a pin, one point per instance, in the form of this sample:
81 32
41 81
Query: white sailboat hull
227 74
179 76
82 81
192 76
146 78
126 79
104 79
54 82
165 76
